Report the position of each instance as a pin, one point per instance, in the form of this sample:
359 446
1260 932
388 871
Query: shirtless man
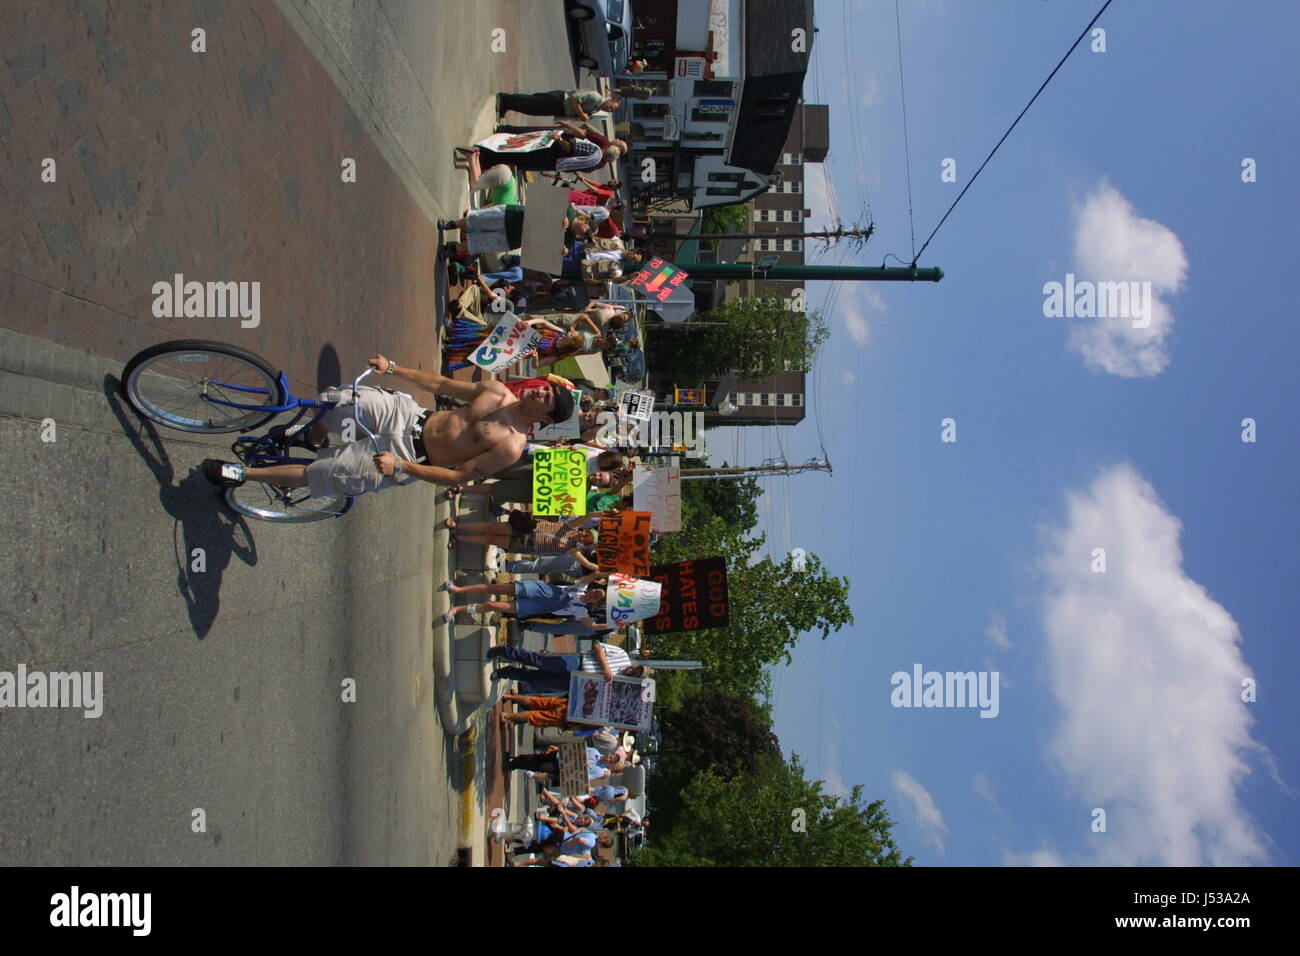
446 448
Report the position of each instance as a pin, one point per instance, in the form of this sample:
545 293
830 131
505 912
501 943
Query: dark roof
774 75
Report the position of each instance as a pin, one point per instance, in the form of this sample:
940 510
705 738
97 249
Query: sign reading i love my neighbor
559 482
623 542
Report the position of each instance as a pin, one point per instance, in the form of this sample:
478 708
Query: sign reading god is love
510 341
630 599
559 482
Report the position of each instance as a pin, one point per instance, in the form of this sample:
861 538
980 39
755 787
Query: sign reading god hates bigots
692 596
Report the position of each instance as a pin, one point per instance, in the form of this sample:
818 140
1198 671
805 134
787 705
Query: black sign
693 596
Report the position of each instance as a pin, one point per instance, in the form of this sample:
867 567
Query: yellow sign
688 396
559 482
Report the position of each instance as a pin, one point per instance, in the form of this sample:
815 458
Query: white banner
508 342
630 599
519 142
658 489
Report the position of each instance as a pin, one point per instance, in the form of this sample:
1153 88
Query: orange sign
624 543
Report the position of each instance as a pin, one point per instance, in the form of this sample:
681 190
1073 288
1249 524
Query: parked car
604 34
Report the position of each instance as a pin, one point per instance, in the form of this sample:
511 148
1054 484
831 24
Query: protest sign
511 340
574 779
519 142
626 703
623 542
637 405
559 482
571 427
659 491
693 596
659 279
630 599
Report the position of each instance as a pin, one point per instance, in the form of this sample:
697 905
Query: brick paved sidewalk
222 166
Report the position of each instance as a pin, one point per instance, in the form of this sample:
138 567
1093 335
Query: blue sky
1119 690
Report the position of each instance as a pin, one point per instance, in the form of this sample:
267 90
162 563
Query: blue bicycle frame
272 448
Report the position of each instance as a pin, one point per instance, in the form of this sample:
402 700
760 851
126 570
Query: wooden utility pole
778 467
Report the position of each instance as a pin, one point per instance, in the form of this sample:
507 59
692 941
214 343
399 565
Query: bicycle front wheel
284 505
194 385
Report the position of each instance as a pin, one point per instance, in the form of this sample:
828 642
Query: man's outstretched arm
438 384
478 467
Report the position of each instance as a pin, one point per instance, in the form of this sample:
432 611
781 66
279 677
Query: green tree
771 604
719 732
731 218
753 338
773 816
734 500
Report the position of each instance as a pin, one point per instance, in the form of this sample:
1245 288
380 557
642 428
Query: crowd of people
478 439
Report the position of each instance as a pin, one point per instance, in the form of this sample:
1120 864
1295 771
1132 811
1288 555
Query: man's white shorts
349 469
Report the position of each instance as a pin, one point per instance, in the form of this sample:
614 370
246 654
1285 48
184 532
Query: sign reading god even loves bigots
630 599
559 482
693 596
510 341
623 542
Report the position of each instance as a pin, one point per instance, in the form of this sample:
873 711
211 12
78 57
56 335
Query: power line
907 149
1077 41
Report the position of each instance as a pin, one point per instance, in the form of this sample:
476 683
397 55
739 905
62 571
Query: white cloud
920 806
1147 671
834 782
983 787
847 377
866 88
1043 856
1112 243
854 305
997 631
817 195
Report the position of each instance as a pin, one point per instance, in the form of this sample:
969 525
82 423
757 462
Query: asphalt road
223 686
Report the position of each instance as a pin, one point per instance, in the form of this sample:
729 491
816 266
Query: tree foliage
730 218
773 816
734 500
753 338
771 605
719 732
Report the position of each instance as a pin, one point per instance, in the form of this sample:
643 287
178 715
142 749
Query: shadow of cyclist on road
202 521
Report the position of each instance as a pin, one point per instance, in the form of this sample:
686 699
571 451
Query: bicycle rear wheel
175 384
284 505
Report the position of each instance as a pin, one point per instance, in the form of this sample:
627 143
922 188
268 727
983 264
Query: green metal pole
745 270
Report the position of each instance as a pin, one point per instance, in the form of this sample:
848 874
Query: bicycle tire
258 501
258 372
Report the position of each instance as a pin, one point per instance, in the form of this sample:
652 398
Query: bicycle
208 388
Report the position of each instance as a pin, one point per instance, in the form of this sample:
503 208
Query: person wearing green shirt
581 104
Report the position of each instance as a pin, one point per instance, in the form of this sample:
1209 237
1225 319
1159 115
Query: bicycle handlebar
355 385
